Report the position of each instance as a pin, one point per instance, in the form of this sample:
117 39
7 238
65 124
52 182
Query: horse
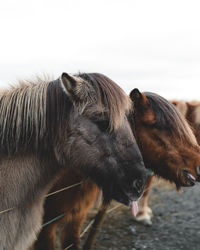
73 205
159 124
74 122
162 127
145 213
191 112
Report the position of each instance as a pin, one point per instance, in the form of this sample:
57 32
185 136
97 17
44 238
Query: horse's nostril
198 170
138 184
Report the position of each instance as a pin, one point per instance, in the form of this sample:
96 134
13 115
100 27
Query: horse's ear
135 96
138 98
142 105
69 83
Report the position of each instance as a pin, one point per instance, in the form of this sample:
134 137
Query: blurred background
152 45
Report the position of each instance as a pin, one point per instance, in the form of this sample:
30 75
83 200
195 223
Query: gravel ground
175 223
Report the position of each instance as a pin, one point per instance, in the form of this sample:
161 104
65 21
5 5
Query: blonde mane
22 113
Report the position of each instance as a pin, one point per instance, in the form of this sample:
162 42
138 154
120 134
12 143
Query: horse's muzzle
189 178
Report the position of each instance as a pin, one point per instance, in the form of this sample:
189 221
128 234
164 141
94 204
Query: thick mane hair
22 115
109 97
31 111
167 117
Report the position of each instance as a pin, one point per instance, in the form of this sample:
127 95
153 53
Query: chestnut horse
157 126
191 111
46 127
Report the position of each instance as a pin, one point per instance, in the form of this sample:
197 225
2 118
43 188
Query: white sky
153 45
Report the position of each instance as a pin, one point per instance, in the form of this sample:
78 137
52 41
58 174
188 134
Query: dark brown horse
46 127
157 126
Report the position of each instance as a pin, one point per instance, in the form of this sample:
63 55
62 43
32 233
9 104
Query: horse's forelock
167 116
108 96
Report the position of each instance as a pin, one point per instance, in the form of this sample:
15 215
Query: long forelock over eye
107 96
168 117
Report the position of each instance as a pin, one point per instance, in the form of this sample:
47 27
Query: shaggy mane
22 114
109 97
31 112
167 116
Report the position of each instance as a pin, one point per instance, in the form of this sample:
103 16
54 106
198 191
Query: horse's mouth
130 202
190 179
124 200
133 204
127 200
134 207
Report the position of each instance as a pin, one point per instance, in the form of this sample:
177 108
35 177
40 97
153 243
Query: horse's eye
103 125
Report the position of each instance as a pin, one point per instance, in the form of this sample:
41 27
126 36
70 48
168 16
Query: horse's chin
120 195
125 199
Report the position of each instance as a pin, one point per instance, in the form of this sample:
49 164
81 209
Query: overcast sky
153 45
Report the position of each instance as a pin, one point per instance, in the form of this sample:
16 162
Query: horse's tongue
134 208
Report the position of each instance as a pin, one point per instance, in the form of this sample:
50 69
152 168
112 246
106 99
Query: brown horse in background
73 204
145 213
157 126
191 111
47 127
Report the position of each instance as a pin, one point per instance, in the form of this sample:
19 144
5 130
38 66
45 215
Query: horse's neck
25 178
24 182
